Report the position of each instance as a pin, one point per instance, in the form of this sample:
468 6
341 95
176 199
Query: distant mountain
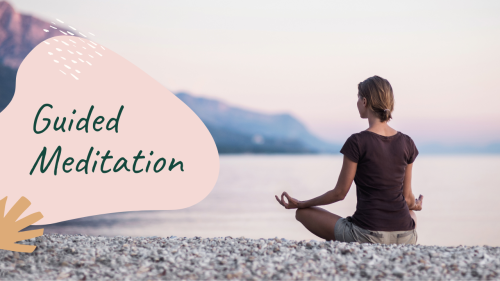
19 34
7 85
237 130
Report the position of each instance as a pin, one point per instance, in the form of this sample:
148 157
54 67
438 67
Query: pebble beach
82 257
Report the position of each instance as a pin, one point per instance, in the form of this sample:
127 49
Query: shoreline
82 257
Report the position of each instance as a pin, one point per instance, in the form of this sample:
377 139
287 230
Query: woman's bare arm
407 192
413 204
337 194
340 191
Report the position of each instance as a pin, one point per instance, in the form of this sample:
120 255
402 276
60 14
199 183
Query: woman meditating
380 161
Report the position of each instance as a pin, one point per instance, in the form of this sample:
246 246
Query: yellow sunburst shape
10 226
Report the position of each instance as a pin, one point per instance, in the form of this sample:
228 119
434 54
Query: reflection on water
460 205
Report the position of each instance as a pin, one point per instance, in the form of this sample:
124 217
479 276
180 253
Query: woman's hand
292 202
418 203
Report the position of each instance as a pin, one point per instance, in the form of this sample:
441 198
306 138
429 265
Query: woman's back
382 162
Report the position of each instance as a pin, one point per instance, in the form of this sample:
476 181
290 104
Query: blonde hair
379 96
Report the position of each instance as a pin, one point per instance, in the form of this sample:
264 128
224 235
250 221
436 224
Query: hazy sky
307 57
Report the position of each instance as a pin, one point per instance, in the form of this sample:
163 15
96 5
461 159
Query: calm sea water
461 205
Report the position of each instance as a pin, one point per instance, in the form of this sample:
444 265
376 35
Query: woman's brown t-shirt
379 179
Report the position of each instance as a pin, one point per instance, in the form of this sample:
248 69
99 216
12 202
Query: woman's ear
364 102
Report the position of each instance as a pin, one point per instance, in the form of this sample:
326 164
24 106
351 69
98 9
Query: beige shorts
346 231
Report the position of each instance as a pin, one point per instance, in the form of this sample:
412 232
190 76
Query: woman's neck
378 127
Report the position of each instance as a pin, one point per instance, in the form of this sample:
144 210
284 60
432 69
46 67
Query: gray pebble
82 257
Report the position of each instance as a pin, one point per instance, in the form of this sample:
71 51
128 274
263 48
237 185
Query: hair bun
379 96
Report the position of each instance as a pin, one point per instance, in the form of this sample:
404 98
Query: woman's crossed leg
318 221
322 223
